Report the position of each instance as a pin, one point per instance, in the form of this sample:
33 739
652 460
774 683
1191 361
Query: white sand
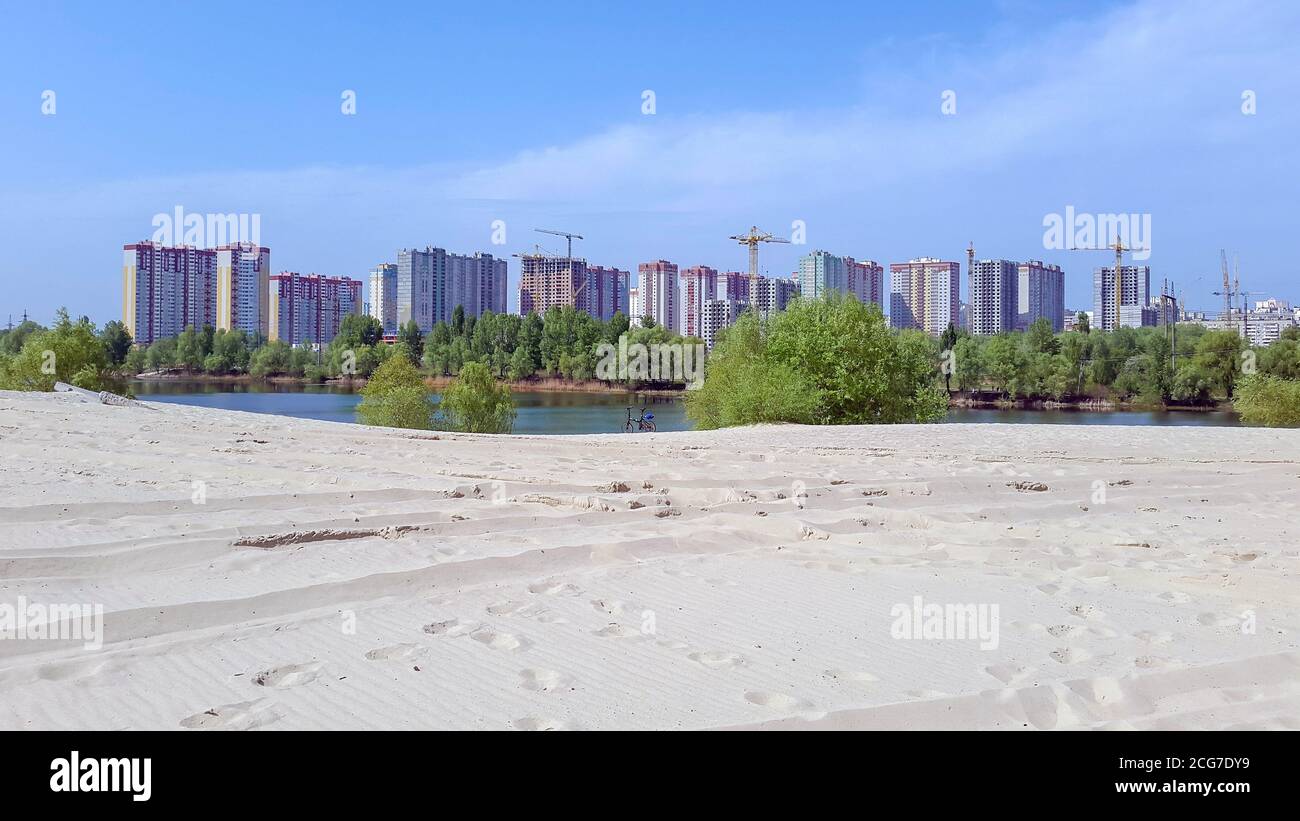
412 580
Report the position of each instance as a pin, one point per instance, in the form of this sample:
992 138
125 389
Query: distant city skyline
1057 107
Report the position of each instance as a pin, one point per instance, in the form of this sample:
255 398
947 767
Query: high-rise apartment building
865 280
821 272
243 277
477 283
1040 294
734 285
699 285
773 295
546 282
166 289
1135 309
604 292
657 289
716 314
383 296
925 294
994 285
431 283
308 308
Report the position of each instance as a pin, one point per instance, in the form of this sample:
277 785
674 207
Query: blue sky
766 113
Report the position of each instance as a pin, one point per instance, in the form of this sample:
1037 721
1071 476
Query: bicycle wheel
628 427
650 426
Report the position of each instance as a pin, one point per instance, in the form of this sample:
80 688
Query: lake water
584 412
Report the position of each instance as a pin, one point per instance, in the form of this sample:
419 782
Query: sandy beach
264 572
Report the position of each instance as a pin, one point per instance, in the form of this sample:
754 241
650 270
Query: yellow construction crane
752 239
1119 248
1230 289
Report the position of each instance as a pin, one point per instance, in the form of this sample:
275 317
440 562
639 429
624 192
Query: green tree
189 349
969 361
476 403
396 397
117 342
412 337
357 331
1218 354
743 387
842 353
69 352
1081 322
1040 337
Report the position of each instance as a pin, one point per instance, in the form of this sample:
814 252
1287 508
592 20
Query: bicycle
646 422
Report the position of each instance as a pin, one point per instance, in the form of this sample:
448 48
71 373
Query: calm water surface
584 412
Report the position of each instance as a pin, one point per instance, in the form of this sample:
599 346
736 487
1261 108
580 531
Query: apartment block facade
924 294
383 295
604 292
243 280
699 285
546 282
994 286
309 308
1040 294
431 282
165 289
865 280
657 290
1134 309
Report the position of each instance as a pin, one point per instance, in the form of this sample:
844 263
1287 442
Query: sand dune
265 572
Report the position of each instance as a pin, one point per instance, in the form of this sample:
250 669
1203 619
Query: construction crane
1119 248
570 237
752 239
1230 289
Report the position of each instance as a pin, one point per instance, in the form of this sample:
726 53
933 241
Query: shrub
475 403
825 361
395 397
1269 400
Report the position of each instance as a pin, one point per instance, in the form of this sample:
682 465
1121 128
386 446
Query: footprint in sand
541 680
396 652
777 701
550 587
1064 630
291 675
498 641
450 627
1087 611
246 715
1010 674
1069 655
717 660
612 607
1174 597
614 631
